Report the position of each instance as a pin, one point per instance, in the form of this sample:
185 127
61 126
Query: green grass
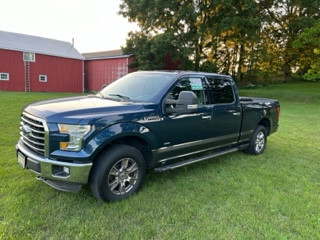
272 196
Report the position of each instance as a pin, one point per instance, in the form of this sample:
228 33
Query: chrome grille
33 132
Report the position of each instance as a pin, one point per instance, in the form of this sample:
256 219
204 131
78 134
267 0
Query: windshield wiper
125 98
100 95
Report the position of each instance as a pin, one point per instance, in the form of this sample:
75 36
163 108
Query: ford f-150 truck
145 120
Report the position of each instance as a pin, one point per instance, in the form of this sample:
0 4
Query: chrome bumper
51 169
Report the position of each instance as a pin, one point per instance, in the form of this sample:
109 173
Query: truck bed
258 101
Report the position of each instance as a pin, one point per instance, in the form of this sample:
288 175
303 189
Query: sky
94 24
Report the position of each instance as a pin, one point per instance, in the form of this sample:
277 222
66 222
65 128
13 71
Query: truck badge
152 118
26 130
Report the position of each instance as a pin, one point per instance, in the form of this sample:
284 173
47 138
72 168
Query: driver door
188 132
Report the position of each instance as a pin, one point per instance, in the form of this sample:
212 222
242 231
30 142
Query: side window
194 84
220 91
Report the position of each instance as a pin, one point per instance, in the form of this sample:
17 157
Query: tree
236 37
309 44
185 20
284 21
151 52
234 28
197 27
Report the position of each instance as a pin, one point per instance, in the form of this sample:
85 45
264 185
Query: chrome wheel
117 173
260 142
123 176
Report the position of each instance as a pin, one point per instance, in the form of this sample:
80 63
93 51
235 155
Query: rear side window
219 91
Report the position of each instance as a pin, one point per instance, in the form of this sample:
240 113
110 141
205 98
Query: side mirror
187 102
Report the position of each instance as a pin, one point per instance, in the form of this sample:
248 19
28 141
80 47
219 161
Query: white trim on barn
4 76
43 78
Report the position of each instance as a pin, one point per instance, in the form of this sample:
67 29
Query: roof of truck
186 72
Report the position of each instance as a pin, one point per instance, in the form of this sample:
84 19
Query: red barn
102 68
29 63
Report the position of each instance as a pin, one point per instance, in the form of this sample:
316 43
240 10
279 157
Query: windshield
138 86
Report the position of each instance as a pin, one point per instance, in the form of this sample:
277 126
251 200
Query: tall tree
285 20
237 37
151 52
235 27
203 29
186 20
309 45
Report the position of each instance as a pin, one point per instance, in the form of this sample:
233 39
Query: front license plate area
21 160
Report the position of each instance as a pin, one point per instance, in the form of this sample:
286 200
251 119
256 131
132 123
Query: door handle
234 112
206 117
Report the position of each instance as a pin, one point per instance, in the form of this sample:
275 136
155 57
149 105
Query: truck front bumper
52 170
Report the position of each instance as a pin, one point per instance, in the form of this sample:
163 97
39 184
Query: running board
198 159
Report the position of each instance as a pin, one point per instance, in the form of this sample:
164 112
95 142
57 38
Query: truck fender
120 130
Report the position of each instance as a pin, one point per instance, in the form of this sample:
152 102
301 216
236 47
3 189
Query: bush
313 74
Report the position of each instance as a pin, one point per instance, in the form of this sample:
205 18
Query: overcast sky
94 24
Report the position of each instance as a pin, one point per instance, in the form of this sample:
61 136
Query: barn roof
46 46
106 55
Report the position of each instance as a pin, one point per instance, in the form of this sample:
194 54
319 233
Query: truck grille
33 132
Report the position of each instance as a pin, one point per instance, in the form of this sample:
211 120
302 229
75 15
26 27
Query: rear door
226 111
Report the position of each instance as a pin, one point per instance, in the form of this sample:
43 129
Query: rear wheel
117 173
258 141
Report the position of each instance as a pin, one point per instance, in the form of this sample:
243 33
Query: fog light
60 171
66 170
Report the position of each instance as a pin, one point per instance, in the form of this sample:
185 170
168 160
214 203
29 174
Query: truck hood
82 109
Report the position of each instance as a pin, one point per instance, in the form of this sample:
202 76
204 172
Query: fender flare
120 130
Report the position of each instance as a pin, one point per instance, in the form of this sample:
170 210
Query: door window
219 91
209 90
194 84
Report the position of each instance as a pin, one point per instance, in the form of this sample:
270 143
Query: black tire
258 141
117 173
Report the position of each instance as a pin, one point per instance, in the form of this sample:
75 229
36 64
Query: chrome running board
198 159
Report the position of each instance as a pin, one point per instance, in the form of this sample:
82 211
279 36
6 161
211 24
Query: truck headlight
76 134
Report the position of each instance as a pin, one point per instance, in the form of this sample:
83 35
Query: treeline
252 40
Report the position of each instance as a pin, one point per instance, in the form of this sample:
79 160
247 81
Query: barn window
42 78
4 76
29 57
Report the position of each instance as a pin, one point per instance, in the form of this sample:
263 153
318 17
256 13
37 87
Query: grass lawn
272 196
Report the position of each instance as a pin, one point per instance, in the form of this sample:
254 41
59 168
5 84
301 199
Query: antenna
73 42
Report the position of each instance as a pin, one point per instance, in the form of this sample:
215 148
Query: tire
117 173
258 141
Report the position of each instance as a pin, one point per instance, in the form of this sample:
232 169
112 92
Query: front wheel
117 173
258 141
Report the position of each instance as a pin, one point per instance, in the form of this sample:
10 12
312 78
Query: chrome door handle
206 117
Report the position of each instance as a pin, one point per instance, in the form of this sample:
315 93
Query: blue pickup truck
145 120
